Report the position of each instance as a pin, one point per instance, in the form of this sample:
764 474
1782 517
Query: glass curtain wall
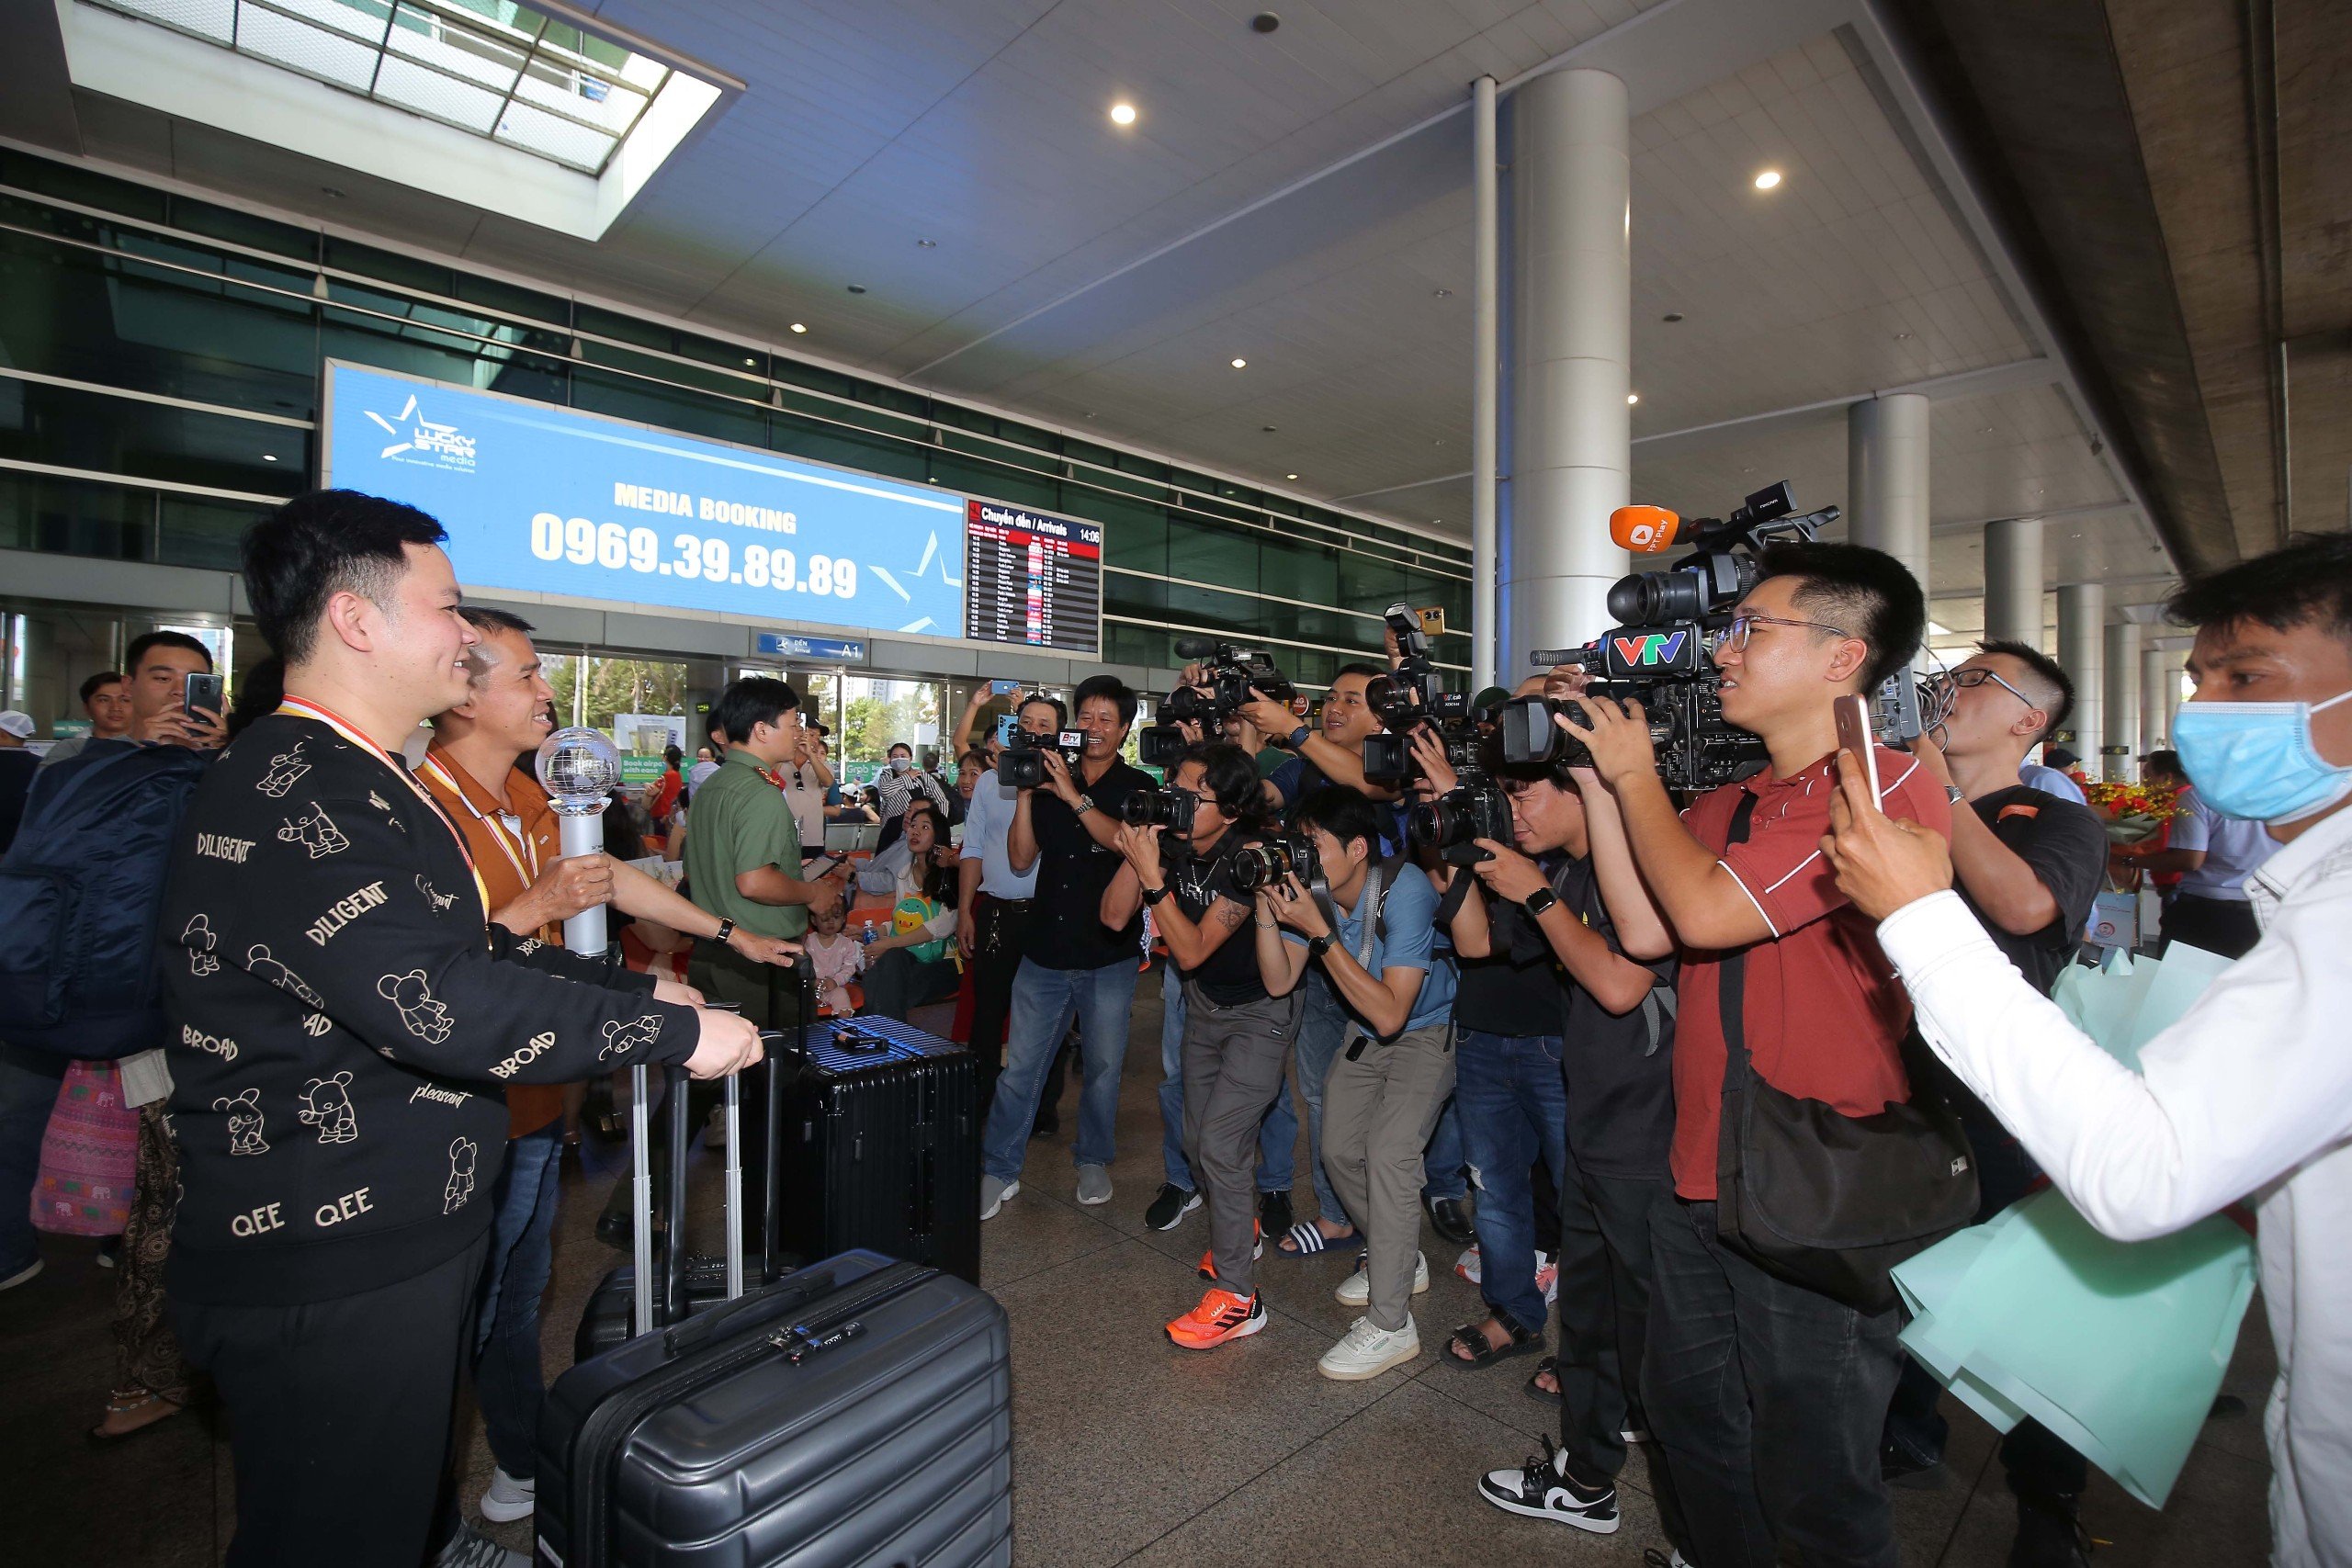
117 287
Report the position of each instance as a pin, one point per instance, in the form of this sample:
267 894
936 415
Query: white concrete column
1486 658
2123 701
1572 349
1886 478
2158 668
2082 653
2013 581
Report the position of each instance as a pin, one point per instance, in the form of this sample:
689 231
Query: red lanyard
302 707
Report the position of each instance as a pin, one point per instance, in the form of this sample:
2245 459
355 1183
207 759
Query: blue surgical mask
2256 761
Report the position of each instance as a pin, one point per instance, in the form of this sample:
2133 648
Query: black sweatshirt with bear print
342 1019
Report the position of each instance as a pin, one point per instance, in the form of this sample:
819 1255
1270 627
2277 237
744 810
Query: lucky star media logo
419 440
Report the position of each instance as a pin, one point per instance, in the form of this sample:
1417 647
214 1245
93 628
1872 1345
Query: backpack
80 889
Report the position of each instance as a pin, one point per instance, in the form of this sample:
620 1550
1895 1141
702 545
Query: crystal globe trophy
579 768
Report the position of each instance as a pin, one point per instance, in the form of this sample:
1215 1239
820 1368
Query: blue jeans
1277 1135
1514 1106
1044 1001
506 1325
1448 1152
28 1081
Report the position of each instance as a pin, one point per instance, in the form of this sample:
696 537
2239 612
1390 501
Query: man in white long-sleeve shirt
2250 1094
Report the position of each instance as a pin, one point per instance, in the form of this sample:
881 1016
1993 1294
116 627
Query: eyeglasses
1734 635
1960 680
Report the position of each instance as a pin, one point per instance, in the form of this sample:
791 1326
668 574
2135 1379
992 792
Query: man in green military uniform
743 848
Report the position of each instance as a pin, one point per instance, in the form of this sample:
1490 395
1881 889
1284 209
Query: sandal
122 1402
1535 1391
1485 1352
1306 1238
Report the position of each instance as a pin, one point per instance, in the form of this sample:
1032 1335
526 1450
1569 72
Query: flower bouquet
2133 812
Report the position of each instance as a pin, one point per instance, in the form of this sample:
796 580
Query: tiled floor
1126 1448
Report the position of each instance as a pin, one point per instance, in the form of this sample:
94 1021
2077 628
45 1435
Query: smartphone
1854 735
200 693
1004 731
1003 688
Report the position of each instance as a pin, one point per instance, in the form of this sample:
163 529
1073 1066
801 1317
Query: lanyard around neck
302 707
517 846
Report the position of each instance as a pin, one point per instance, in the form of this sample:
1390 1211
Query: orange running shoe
1208 1269
1222 1316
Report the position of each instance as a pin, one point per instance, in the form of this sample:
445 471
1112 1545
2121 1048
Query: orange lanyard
521 853
302 707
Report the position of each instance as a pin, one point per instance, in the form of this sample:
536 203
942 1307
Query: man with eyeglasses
2029 866
1768 1397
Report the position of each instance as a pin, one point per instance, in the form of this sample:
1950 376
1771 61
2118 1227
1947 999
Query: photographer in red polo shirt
1768 1396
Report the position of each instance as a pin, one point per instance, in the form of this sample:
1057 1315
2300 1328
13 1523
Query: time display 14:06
617 546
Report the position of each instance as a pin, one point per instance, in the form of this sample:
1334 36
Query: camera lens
1648 597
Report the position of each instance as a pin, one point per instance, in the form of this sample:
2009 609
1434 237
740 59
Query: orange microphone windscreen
1644 529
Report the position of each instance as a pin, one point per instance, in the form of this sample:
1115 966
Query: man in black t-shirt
1236 1039
1074 965
1605 1122
2029 866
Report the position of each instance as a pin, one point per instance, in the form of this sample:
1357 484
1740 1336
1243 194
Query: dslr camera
1232 672
1168 808
1266 863
1661 659
1022 763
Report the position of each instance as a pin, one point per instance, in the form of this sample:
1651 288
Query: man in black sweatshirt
343 1019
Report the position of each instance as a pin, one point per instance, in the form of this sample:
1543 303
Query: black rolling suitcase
882 1146
686 1284
858 1411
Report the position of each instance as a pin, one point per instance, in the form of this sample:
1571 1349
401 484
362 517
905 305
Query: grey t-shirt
2233 848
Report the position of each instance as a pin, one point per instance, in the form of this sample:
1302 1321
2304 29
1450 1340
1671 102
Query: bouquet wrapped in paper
2133 812
2118 1348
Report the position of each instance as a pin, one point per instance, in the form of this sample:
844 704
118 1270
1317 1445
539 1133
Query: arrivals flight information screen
1032 578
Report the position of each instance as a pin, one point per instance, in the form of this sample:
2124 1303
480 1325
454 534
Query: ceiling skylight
598 104
506 72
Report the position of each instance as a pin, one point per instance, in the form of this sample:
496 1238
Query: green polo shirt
738 822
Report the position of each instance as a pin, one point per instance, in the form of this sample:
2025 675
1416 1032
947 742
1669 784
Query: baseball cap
16 723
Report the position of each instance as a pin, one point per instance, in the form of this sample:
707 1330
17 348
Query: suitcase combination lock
798 1341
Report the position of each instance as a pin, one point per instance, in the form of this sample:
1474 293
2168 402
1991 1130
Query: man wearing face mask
2251 1091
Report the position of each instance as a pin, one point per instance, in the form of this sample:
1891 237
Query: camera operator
1579 1075
2030 867
1236 1039
1332 754
1770 1396
993 901
1376 949
1069 830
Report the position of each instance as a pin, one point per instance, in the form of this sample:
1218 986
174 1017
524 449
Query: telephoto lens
1169 808
1454 822
1265 864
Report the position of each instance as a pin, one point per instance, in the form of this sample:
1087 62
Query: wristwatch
1085 803
1152 896
726 930
1298 736
1317 946
1954 794
1535 903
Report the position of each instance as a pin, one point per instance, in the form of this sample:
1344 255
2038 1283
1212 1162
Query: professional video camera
1661 659
1453 823
1169 808
1023 762
1231 671
1266 863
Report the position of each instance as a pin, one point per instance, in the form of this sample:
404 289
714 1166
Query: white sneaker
1537 1490
21 1275
1470 1266
1365 1351
1093 1185
994 1191
1547 1277
509 1499
1356 1290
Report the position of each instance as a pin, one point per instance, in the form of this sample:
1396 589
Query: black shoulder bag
1824 1199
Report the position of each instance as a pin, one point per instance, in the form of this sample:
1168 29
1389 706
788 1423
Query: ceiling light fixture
928 244
857 289
269 456
1123 114
1671 317
1768 179
1267 428
1445 293
1632 398
752 362
800 326
1264 22
331 193
1290 476
1239 364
